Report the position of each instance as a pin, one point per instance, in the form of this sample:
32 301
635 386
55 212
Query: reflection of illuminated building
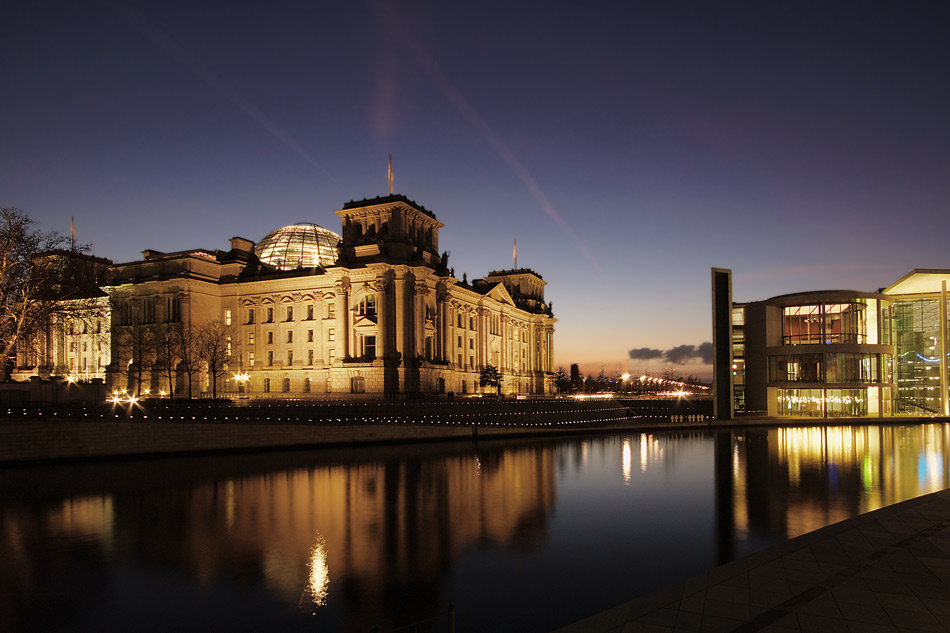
840 353
815 476
368 531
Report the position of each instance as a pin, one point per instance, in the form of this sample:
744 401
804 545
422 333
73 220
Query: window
331 311
270 358
460 360
148 309
357 384
250 338
290 336
250 316
285 385
332 354
367 307
331 334
459 319
270 315
267 385
310 312
270 338
173 309
310 357
227 317
471 343
306 385
290 313
290 357
310 336
471 323
229 346
471 361
370 346
250 359
460 341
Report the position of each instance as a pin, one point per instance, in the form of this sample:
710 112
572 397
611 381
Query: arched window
306 385
286 385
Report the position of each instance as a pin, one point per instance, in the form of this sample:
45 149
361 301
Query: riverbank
169 429
166 429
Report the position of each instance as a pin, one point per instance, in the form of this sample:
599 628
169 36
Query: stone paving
884 571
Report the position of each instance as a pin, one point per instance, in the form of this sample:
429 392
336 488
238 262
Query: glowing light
627 456
70 379
319 572
593 396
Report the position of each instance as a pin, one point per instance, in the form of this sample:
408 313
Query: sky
628 147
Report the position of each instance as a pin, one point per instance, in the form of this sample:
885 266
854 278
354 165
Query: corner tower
389 228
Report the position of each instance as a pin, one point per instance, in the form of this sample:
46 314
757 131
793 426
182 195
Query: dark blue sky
627 146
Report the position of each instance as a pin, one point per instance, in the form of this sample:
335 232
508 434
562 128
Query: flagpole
390 174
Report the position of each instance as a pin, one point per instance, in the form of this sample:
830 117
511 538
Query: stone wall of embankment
173 429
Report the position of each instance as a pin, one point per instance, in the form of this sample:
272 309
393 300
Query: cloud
679 355
645 353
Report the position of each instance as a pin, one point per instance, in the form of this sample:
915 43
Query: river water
521 536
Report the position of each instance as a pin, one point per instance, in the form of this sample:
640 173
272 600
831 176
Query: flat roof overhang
919 281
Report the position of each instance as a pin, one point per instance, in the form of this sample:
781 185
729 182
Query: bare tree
168 343
189 356
44 279
212 339
135 351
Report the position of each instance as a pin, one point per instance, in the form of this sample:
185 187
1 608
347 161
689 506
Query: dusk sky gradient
627 146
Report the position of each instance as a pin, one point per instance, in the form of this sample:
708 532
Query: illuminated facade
375 312
844 353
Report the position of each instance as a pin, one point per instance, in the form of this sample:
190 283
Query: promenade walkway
886 571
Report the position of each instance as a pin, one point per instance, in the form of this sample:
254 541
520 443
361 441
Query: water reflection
521 538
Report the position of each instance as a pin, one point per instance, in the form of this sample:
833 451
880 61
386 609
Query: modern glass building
844 353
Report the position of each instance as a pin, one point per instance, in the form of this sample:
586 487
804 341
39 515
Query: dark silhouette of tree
489 376
135 351
562 381
168 343
212 338
44 280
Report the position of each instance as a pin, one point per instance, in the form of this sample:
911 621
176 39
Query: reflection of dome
303 245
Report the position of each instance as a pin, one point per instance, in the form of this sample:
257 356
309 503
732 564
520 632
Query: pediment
500 293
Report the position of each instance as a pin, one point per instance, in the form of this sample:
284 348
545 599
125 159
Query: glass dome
303 245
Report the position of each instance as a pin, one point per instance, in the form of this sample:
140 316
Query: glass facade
832 403
855 321
917 323
299 246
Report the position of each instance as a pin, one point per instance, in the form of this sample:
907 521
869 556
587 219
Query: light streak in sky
186 59
468 111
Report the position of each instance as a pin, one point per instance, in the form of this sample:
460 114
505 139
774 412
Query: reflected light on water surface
319 572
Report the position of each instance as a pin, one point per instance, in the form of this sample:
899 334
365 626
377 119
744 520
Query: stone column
443 326
399 320
503 361
342 318
382 317
419 318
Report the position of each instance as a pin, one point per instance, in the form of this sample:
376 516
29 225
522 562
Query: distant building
376 311
840 353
